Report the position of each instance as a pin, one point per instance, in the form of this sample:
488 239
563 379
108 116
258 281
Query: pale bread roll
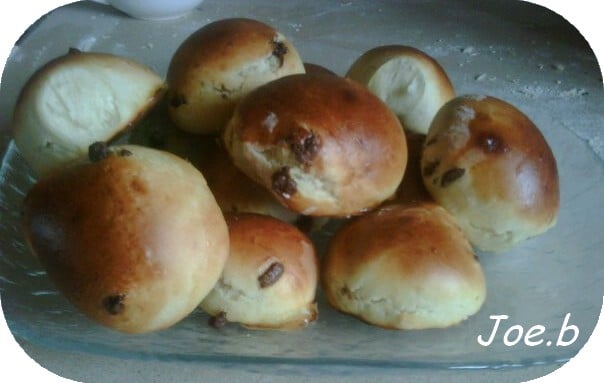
270 278
322 144
77 99
134 239
413 84
403 267
488 164
221 62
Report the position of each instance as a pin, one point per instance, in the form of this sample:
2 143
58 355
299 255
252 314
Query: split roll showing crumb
270 277
322 144
133 238
413 84
221 62
490 166
77 99
403 267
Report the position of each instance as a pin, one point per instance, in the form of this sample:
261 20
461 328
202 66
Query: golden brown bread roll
77 99
134 239
403 267
323 145
221 62
490 166
270 278
413 84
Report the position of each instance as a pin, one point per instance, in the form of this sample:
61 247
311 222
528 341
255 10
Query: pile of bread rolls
214 206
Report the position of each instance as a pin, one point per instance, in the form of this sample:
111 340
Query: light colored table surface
92 368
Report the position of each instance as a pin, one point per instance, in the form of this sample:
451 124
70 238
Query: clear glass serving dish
509 49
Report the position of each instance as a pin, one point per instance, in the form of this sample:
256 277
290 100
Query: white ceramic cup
153 9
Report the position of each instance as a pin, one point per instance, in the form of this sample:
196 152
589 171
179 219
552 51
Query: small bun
413 84
323 145
403 267
133 239
270 278
490 166
77 99
220 63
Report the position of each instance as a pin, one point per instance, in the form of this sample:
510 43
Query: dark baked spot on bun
345 291
138 186
349 96
491 143
177 100
451 176
430 168
271 275
219 320
114 304
124 153
98 151
279 51
282 183
304 144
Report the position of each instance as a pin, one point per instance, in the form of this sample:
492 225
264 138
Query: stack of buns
206 207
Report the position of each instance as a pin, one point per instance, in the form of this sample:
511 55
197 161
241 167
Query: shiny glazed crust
220 63
490 166
323 145
252 291
134 240
403 267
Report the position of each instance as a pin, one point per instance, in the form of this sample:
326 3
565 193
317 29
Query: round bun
77 99
220 63
322 144
403 267
413 84
134 239
490 166
270 278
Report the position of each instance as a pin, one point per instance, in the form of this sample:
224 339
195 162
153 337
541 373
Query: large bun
403 267
490 166
77 99
413 84
324 145
220 63
135 240
270 278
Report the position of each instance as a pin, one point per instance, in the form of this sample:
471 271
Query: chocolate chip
271 275
114 304
282 182
98 151
451 176
124 153
279 51
304 144
219 320
177 100
430 168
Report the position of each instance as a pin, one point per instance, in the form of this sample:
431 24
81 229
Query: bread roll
221 62
323 145
77 99
403 267
270 278
490 166
410 82
134 239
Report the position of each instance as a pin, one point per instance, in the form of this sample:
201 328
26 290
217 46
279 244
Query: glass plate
512 50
